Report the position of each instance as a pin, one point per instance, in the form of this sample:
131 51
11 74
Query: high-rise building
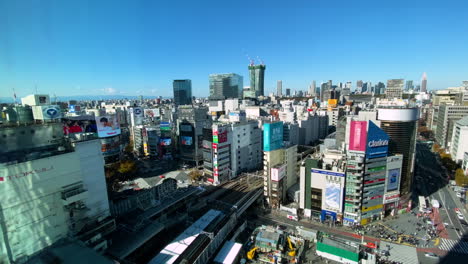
459 143
279 88
380 88
225 85
424 83
312 89
359 84
447 116
394 88
400 124
257 79
409 85
288 92
182 92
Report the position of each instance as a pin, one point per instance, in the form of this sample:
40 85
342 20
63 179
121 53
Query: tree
129 148
460 178
127 168
194 175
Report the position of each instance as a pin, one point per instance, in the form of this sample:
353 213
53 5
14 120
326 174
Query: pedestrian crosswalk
453 245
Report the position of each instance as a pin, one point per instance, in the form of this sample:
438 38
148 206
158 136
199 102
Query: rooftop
463 121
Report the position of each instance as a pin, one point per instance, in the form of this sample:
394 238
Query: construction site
273 245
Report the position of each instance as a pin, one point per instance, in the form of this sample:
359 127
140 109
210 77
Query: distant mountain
10 100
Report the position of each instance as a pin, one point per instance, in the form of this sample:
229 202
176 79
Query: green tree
194 175
127 168
460 178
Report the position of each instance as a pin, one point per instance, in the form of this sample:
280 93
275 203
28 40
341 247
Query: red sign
358 136
210 180
214 146
222 137
26 173
2 179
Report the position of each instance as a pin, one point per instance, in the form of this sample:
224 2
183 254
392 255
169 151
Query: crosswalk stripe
453 245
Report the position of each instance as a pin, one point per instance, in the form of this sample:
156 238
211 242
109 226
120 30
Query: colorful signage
330 173
107 126
278 173
393 179
186 141
377 142
152 112
358 136
272 136
333 196
165 141
165 126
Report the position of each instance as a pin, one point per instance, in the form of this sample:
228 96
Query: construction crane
251 253
292 250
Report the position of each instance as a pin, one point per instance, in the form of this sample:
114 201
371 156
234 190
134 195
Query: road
431 180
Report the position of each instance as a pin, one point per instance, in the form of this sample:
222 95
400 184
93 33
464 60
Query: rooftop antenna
251 62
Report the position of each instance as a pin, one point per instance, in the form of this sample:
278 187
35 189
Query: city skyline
72 49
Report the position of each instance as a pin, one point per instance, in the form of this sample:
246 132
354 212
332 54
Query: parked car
460 216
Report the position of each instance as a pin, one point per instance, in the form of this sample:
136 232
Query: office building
400 124
257 79
424 83
224 86
312 88
394 89
182 92
190 123
279 88
359 85
288 92
447 116
459 141
55 188
379 88
409 85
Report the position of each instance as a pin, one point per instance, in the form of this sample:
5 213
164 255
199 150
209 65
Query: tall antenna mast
14 94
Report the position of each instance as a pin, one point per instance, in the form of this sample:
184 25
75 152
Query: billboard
165 141
110 146
220 137
74 108
377 142
152 112
165 126
185 128
358 136
136 116
394 164
333 196
186 141
272 136
278 173
107 126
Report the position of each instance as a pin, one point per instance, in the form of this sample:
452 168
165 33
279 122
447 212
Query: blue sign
272 136
327 214
349 219
377 142
331 173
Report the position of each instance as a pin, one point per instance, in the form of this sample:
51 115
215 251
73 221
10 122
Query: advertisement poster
393 179
165 141
187 141
272 136
332 196
107 126
377 142
278 173
358 136
152 112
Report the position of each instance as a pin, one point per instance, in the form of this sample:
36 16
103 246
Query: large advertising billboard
152 112
394 164
220 137
165 141
377 142
107 126
186 141
333 196
278 173
272 136
110 146
358 136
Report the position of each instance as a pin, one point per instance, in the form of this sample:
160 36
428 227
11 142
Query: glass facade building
257 79
182 92
226 85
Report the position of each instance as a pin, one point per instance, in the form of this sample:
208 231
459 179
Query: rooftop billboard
272 136
107 126
358 136
377 142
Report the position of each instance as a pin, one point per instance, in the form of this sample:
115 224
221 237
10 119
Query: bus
423 208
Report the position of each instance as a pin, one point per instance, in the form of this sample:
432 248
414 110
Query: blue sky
138 47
